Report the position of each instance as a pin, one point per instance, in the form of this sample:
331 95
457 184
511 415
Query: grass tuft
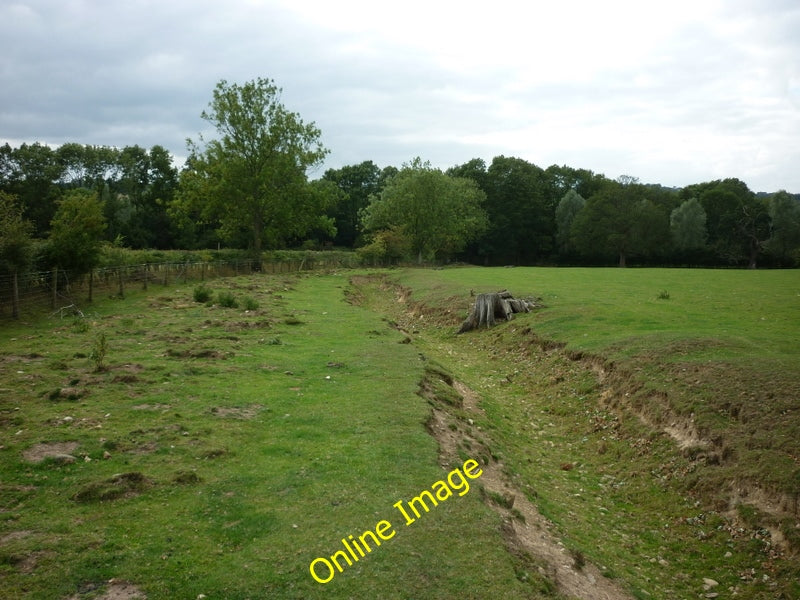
227 300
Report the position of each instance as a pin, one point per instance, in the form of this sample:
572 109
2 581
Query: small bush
202 294
226 300
249 303
98 353
80 325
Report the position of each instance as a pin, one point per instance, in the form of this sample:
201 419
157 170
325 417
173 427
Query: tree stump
490 307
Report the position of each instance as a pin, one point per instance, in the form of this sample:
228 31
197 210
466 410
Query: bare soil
116 590
40 452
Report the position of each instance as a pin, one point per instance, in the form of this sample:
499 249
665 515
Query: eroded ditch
528 535
622 398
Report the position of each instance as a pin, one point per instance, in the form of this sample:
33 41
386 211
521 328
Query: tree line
249 188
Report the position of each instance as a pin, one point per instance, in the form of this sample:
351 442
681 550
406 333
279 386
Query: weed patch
202 294
227 300
123 485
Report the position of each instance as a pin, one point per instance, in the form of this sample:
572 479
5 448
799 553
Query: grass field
717 363
183 448
719 347
219 451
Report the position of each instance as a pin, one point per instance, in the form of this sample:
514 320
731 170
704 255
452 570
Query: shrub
202 294
249 303
226 300
80 325
98 353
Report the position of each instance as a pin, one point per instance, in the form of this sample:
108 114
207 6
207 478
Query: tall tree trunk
753 257
755 246
622 262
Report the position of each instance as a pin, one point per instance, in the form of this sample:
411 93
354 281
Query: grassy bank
187 448
216 439
652 414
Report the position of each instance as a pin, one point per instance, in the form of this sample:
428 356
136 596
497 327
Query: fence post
166 269
145 272
15 297
91 284
119 279
55 287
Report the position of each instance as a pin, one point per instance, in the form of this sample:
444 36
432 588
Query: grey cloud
140 73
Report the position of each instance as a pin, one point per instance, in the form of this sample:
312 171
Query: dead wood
490 307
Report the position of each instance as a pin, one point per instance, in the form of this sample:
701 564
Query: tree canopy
357 183
15 234
688 225
253 177
77 231
620 220
251 186
438 214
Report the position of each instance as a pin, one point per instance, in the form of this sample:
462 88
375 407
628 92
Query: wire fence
61 291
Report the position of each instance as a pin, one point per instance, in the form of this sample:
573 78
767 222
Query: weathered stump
490 307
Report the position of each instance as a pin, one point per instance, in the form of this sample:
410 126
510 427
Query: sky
674 93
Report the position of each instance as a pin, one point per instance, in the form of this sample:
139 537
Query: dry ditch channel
528 535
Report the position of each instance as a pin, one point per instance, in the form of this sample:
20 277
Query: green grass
618 311
723 350
220 450
211 460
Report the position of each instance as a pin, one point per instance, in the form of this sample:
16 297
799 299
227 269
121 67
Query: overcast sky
672 92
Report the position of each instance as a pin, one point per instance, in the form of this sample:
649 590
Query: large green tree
15 244
438 214
357 183
620 220
568 208
138 208
32 174
784 212
737 221
521 212
77 229
688 225
254 175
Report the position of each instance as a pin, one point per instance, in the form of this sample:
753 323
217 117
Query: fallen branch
73 310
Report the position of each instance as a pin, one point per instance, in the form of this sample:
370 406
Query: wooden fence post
119 279
15 297
55 287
